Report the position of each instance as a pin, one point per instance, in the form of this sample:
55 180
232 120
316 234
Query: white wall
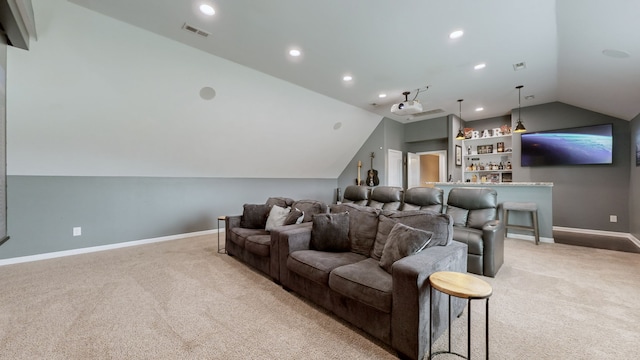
98 97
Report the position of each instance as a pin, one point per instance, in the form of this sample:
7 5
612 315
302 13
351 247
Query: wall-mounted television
585 145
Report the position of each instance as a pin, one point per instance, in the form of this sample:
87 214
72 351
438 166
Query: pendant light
460 135
519 126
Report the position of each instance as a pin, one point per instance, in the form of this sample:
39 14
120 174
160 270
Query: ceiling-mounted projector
407 107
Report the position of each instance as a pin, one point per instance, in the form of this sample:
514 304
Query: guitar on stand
358 181
372 174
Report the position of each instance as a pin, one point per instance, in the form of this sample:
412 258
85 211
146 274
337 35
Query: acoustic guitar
358 181
372 174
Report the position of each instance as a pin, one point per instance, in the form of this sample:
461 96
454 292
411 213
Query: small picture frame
458 155
500 147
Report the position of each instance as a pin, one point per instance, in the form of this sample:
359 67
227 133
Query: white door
394 168
413 170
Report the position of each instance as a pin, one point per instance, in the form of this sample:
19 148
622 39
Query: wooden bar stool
530 207
464 286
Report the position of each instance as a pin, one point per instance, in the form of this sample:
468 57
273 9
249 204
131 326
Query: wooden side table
464 286
223 250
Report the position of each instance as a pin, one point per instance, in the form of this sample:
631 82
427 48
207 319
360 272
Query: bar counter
537 192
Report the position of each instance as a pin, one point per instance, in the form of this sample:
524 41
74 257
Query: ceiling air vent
519 66
195 30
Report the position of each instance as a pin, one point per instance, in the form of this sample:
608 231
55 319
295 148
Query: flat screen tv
586 145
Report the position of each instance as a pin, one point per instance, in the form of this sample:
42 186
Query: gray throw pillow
363 226
330 232
254 216
295 217
403 241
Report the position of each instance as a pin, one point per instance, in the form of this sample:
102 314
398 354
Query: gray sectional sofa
368 262
247 238
390 303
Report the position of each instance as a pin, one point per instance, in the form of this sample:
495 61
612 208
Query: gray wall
3 138
44 209
583 196
634 180
389 134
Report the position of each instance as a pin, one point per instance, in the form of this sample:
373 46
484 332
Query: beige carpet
182 300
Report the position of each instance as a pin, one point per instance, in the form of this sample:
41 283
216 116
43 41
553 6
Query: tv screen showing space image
587 145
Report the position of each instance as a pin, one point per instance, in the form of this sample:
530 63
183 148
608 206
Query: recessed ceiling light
382 96
618 54
347 78
529 97
480 66
479 108
456 34
295 52
207 9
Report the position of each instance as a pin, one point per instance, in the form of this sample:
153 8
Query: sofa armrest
231 221
493 235
290 240
274 248
410 311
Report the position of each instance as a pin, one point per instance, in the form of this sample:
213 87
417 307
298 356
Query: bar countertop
460 183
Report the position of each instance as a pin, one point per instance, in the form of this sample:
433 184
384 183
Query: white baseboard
57 254
629 236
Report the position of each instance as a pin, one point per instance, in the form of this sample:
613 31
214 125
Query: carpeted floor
182 300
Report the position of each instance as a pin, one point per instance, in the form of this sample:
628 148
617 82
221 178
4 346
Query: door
413 170
394 168
432 167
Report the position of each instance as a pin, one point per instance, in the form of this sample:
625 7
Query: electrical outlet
613 218
77 231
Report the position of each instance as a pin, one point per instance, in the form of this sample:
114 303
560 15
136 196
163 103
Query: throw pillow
254 216
330 232
295 217
363 226
403 241
276 218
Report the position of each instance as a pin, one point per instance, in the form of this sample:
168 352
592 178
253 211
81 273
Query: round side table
464 286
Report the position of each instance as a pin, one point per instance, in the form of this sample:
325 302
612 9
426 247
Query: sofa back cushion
354 194
310 207
441 225
423 198
254 216
330 232
481 205
363 226
283 202
386 197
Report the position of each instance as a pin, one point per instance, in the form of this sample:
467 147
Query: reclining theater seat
354 194
423 198
475 223
386 198
249 241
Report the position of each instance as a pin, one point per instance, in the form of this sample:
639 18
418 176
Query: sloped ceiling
111 88
393 46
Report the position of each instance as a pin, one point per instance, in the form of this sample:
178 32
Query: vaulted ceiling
581 52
